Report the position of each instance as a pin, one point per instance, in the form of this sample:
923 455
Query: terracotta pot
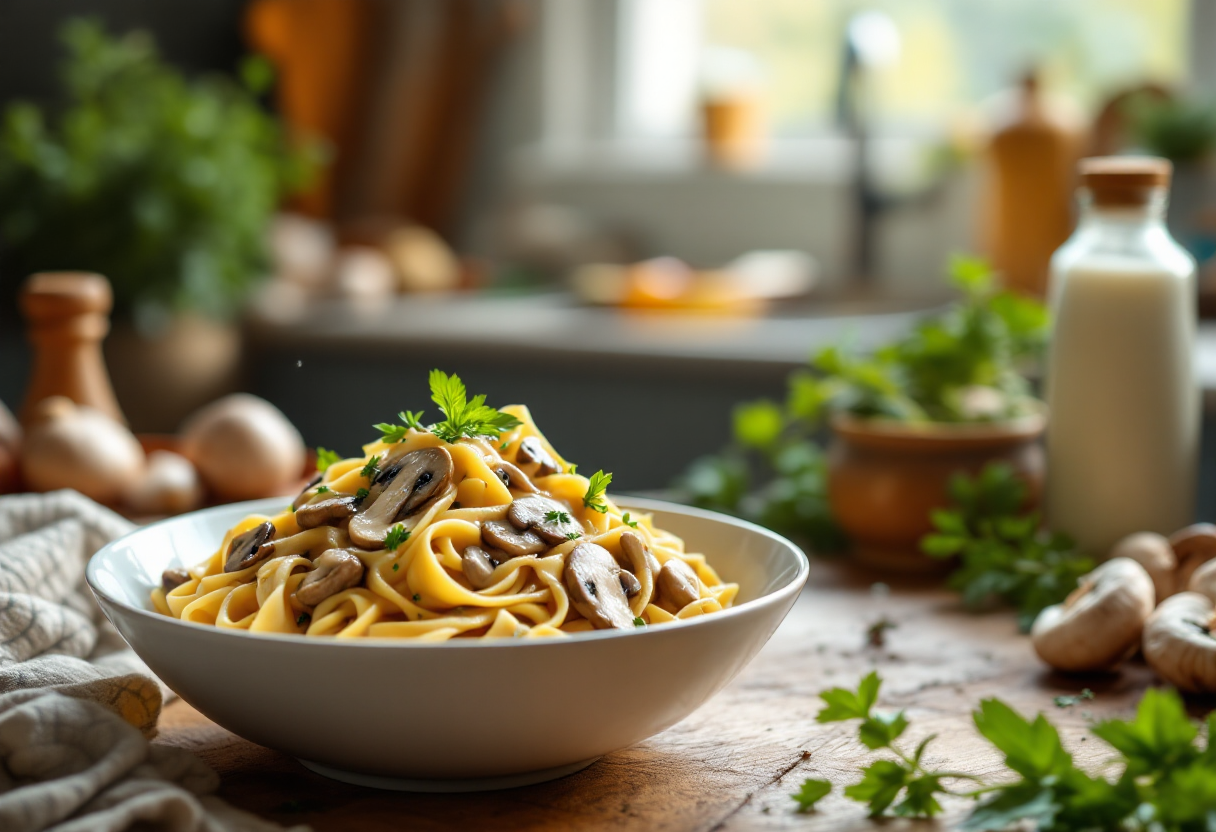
884 478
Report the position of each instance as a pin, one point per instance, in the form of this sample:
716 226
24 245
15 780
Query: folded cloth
76 705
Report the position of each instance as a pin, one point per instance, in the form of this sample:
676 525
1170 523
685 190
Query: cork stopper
1124 181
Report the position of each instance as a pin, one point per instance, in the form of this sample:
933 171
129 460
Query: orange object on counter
68 316
1029 203
666 283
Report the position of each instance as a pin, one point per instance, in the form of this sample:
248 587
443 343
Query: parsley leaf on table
594 498
812 792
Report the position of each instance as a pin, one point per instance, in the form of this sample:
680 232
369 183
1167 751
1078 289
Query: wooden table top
732 764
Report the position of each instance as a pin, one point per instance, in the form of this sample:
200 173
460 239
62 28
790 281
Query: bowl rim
793 587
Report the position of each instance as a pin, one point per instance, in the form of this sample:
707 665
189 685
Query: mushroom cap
1178 642
327 512
307 493
75 446
513 478
250 547
244 448
592 576
533 513
1203 580
479 565
169 485
1099 624
333 571
505 537
1194 546
173 577
406 484
678 584
1154 552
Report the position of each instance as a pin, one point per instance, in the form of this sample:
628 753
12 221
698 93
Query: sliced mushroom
332 572
513 478
678 584
641 562
1100 622
249 548
594 579
1179 645
328 512
514 543
1154 553
173 577
406 485
479 565
630 584
532 451
304 495
1194 546
544 517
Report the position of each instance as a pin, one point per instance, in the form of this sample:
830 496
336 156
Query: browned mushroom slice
547 518
327 512
641 564
594 579
250 548
515 543
173 577
479 565
406 485
532 451
677 584
514 478
304 495
332 572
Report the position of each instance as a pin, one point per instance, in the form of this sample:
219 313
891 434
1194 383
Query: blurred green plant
1005 554
1178 129
163 184
964 364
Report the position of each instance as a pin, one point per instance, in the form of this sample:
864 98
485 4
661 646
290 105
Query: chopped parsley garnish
633 524
504 445
573 535
396 433
1069 701
396 566
303 619
395 537
594 498
322 489
573 469
557 517
639 622
372 468
326 458
417 597
361 495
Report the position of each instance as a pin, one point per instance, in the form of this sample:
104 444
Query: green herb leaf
395 537
464 418
1160 737
844 704
326 458
361 495
573 535
322 489
1031 748
397 433
880 730
881 784
811 792
417 598
759 424
594 498
633 524
638 621
1070 700
572 468
557 517
396 566
371 469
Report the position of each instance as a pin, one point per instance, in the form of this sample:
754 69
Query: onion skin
80 448
244 448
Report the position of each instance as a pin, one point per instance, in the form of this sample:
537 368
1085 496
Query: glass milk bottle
1123 431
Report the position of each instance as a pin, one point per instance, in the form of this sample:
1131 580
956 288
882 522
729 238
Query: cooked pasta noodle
427 539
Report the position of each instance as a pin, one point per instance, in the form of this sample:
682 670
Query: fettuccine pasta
484 536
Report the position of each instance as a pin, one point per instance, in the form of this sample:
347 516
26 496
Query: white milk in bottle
1123 431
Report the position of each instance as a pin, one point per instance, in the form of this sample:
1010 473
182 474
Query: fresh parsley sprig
594 498
371 468
395 537
391 433
465 417
1003 551
557 517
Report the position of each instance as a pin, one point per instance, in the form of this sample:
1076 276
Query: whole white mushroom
73 446
1154 552
244 448
1100 623
1178 642
169 485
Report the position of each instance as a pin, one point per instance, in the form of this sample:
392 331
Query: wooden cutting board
733 763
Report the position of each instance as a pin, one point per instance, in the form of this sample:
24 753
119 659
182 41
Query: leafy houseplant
162 183
951 394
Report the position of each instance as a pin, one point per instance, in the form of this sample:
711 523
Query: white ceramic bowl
460 715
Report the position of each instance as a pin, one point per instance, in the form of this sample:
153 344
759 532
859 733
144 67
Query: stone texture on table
732 764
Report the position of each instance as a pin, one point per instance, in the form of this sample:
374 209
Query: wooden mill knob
67 314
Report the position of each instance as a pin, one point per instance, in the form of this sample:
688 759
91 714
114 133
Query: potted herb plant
950 396
165 185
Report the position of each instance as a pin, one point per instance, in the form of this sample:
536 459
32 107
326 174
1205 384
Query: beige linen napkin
76 705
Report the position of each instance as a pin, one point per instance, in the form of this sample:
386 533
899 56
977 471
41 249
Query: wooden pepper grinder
67 314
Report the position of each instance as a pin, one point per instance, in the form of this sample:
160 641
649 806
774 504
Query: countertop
733 763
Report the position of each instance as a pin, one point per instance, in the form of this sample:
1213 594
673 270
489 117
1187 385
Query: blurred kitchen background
628 214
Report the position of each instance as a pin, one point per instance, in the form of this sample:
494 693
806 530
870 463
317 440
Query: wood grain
733 764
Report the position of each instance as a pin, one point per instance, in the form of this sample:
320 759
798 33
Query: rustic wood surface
732 764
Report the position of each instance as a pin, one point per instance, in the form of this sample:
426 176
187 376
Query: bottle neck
1148 212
